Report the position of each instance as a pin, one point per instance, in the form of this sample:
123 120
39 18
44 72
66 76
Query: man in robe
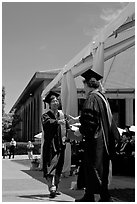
100 132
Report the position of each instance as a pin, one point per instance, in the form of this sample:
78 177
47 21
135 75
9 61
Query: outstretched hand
62 121
73 120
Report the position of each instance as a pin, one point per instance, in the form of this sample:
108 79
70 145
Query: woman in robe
55 132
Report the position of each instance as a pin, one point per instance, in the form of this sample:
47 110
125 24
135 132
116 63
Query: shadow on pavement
125 195
64 185
42 197
35 196
121 195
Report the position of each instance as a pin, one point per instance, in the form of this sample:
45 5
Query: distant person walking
12 148
30 148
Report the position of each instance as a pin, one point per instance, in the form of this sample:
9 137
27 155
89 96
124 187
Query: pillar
129 111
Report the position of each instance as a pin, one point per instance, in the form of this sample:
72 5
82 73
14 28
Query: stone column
129 111
42 110
35 118
32 118
38 113
28 111
26 123
30 121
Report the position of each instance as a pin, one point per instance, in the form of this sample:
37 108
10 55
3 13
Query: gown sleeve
52 140
50 126
89 118
48 121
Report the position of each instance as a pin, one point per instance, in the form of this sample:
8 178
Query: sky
39 36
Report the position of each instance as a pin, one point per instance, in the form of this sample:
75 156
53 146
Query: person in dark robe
124 155
126 147
54 127
100 132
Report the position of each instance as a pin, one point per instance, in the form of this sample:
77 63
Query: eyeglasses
54 101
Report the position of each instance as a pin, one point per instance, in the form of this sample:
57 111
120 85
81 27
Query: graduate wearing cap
55 133
97 128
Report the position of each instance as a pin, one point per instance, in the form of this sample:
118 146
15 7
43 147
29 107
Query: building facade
29 105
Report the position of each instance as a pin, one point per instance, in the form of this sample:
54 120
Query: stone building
30 105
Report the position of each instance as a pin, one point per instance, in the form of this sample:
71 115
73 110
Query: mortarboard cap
91 74
50 96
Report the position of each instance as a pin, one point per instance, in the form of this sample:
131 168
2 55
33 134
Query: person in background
12 148
128 132
132 141
55 135
126 147
30 148
100 132
4 149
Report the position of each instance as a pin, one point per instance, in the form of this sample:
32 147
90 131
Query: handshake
74 133
70 120
73 120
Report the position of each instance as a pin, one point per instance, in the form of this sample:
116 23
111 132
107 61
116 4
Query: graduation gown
100 132
53 148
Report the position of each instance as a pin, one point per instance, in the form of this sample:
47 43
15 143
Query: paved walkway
20 184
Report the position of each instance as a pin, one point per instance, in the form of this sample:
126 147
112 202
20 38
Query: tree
3 100
10 121
10 127
15 128
6 125
6 118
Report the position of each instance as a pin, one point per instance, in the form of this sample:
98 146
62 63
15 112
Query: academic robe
100 135
53 148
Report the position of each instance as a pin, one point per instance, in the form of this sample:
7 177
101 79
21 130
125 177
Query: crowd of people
126 145
9 150
125 155
123 158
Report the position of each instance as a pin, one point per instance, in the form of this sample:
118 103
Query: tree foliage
3 100
10 121
10 125
6 123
